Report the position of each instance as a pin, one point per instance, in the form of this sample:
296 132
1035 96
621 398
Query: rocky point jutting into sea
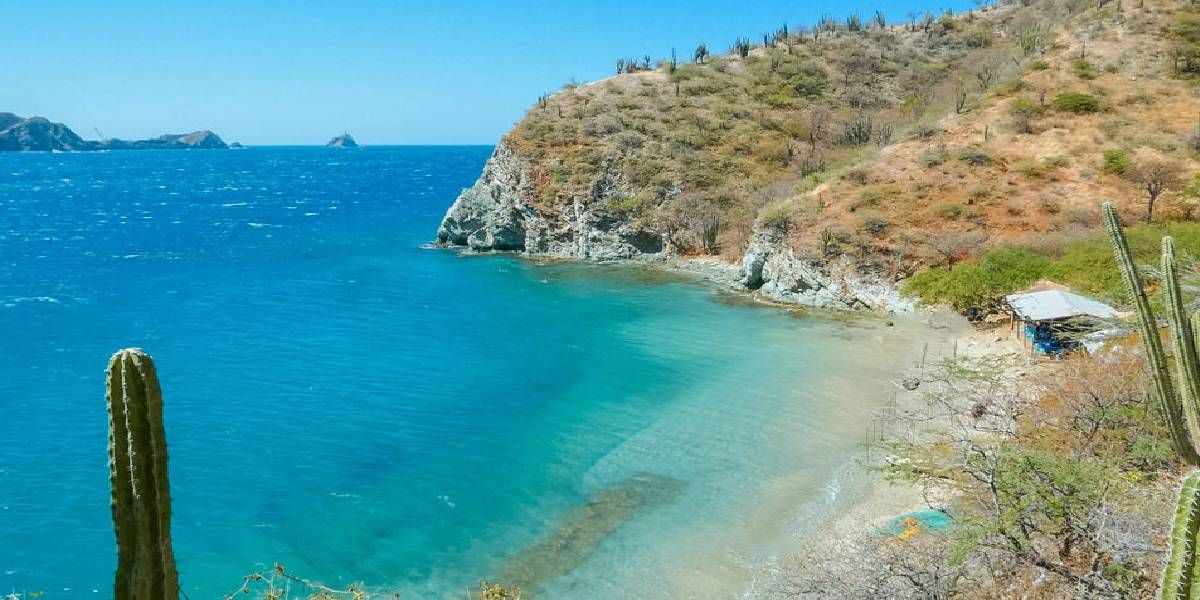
497 214
38 134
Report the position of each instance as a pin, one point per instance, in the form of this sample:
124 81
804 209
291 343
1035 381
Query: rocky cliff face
496 214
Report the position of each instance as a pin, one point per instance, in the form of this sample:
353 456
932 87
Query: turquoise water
929 519
352 405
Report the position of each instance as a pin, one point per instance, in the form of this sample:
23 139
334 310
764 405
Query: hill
19 134
342 141
830 164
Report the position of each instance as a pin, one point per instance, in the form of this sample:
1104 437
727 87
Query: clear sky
389 72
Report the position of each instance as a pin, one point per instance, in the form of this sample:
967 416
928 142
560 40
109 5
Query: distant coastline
38 134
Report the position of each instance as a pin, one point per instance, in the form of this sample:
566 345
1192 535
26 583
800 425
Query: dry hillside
902 145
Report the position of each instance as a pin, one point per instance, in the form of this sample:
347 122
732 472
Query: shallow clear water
356 407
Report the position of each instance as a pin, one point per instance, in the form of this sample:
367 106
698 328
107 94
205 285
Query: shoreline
722 275
854 502
879 502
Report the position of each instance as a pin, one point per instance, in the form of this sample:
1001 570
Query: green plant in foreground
1179 578
137 464
1174 402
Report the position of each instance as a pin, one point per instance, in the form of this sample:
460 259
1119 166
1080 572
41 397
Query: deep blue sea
357 407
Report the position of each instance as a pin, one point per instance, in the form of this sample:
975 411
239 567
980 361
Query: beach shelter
1050 312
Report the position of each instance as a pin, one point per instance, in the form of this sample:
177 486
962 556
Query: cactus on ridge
137 462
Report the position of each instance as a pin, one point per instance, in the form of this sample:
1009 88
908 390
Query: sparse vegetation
1086 265
843 128
1116 162
1076 102
1083 68
1024 111
975 157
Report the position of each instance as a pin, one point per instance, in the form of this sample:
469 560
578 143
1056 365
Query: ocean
349 403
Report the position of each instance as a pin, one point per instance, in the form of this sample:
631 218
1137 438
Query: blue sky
454 72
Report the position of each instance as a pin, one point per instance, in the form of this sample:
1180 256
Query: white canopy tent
1047 310
1050 305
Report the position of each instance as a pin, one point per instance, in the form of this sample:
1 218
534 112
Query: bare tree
952 246
818 126
1154 175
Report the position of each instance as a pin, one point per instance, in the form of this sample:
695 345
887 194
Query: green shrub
1083 69
1023 111
980 283
777 215
1087 266
625 206
1025 107
974 157
1075 102
1116 162
1039 65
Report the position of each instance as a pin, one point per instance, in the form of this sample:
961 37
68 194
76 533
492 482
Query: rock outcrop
342 141
39 134
772 267
498 214
495 215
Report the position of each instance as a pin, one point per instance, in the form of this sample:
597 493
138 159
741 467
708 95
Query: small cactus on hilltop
1179 578
137 463
1175 401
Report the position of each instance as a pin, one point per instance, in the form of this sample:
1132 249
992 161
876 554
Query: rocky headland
498 214
835 165
38 134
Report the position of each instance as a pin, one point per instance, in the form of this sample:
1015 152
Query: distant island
18 134
342 141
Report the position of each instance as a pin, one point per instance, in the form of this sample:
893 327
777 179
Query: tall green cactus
1180 578
1174 403
1183 341
137 464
